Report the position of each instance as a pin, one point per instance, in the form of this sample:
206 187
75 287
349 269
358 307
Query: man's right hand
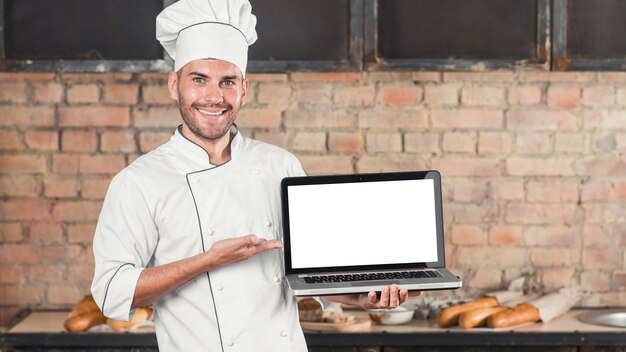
239 248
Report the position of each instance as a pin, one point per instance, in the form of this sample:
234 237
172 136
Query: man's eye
228 83
198 80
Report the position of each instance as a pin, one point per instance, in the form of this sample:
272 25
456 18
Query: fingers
404 294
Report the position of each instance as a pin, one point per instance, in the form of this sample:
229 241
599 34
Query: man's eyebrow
194 73
233 77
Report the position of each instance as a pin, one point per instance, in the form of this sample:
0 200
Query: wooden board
356 326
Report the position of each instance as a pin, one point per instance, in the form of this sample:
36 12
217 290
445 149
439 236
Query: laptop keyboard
411 274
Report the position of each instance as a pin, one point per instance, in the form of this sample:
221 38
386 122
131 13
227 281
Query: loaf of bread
142 314
523 313
450 315
310 310
84 315
478 317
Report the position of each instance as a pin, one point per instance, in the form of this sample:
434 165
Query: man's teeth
211 113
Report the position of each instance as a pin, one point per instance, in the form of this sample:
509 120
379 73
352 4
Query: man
194 226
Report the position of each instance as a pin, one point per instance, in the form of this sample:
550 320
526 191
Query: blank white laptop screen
365 223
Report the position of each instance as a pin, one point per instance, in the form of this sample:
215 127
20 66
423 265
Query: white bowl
394 316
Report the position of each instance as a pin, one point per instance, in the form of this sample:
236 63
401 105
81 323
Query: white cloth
170 203
200 29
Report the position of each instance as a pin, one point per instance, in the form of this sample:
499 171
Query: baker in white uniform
194 226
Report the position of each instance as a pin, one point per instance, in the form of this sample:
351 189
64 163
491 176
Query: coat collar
195 156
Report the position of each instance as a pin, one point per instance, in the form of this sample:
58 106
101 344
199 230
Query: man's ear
244 87
172 85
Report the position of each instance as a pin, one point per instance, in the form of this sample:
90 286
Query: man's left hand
390 297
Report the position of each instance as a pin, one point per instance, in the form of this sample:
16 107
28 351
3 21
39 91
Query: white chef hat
201 29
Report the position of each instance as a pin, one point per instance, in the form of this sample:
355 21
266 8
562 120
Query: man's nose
213 94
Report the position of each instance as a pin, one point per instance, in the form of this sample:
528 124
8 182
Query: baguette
478 317
84 321
141 314
450 315
523 313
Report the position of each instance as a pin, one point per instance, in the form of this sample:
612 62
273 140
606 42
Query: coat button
219 288
255 171
276 279
231 343
197 180
268 223
211 232
283 334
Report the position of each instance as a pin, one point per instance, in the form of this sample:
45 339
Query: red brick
603 258
555 76
28 76
81 233
551 236
22 295
564 96
570 143
604 141
383 142
45 273
551 257
267 77
389 76
122 141
525 95
83 93
494 142
157 117
474 95
11 274
13 92
594 235
596 190
484 76
479 119
422 143
65 163
76 211
24 210
153 77
61 253
469 213
80 274
534 120
64 294
22 164
441 94
505 235
156 94
326 164
392 119
94 187
309 141
620 190
470 191
507 189
346 142
621 96
520 213
553 190
594 281
273 137
48 92
605 119
487 257
618 232
356 96
534 143
314 94
553 279
79 141
10 232
104 77
18 254
598 96
19 186
466 166
10 140
425 76
612 77
42 140
619 280
461 142
259 118
486 279
61 187
150 140
101 164
519 166
394 95
94 116
45 233
390 162
346 77
29 116
315 119
468 235
274 93
121 93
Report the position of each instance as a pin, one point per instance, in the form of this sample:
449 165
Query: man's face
209 94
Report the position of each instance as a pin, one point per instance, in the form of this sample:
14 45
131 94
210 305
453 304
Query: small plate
616 318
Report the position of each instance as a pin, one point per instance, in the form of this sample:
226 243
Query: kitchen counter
44 329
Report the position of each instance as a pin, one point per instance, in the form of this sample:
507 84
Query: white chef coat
172 204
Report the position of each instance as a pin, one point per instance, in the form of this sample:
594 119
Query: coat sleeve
123 244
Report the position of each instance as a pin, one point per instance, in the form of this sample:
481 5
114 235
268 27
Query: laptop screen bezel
365 177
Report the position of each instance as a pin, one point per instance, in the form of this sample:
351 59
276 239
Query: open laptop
360 232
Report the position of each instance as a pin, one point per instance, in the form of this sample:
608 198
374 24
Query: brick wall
534 177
